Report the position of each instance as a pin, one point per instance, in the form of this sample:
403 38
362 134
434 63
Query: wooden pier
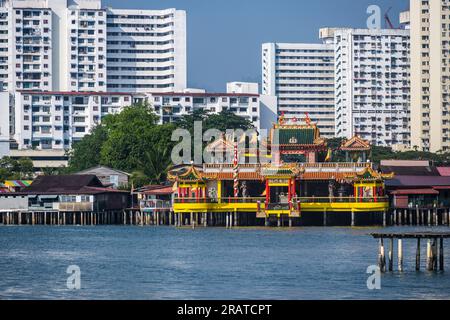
418 216
434 249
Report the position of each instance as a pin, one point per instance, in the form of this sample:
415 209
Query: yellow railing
340 199
221 200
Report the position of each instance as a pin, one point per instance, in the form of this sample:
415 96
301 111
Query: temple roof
227 143
355 144
296 136
368 174
186 174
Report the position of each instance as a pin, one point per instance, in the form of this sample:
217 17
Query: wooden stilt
381 257
353 219
324 218
417 215
391 255
400 255
435 254
448 217
418 255
429 256
441 254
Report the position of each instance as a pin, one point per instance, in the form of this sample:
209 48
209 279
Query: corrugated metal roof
415 192
411 170
418 181
444 171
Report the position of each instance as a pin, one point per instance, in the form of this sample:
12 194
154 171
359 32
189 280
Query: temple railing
262 200
278 206
222 200
324 165
340 199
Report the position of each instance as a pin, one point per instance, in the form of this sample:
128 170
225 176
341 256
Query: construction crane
388 20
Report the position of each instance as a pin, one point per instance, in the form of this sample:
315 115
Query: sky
224 37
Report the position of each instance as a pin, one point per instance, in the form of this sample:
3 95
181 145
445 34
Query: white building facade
302 78
78 45
372 84
55 120
146 50
253 107
429 23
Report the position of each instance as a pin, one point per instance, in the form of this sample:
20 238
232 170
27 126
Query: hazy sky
225 36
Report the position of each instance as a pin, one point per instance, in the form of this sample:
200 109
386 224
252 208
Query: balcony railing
325 165
155 204
284 206
222 200
340 199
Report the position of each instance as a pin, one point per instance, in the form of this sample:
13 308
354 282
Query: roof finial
307 119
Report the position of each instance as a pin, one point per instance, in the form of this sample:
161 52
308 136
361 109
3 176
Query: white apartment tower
86 50
372 74
146 50
76 45
429 23
302 78
26 31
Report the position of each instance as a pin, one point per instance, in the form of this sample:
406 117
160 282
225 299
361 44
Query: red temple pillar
289 190
267 192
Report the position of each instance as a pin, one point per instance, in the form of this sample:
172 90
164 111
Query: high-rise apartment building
429 24
28 37
302 77
77 45
86 50
372 72
146 50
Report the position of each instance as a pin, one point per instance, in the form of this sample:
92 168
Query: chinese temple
294 183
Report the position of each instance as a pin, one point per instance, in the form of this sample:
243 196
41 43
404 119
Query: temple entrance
279 195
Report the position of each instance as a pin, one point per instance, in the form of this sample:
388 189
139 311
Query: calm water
165 263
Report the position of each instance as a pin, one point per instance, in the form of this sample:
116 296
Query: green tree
12 169
226 120
86 153
222 121
128 136
25 168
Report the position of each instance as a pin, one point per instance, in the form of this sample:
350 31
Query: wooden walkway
435 252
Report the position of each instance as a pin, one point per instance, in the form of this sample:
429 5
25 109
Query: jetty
434 249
